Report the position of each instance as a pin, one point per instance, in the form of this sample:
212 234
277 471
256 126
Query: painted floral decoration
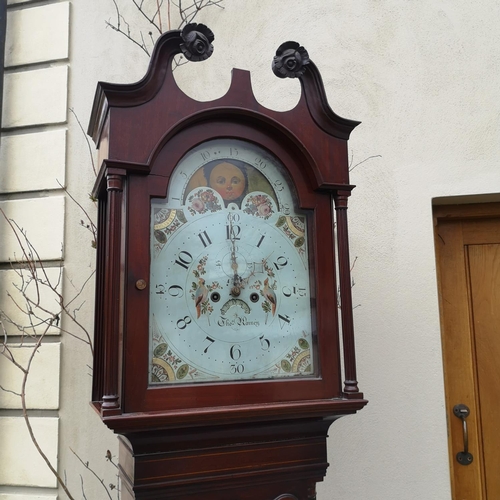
298 359
259 205
197 42
202 201
158 374
167 221
290 60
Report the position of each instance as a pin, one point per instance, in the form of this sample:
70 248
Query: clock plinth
217 337
267 461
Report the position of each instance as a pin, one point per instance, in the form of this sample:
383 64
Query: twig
87 141
83 489
27 420
127 34
13 225
159 15
186 14
33 263
361 162
2 388
150 19
188 17
91 225
86 465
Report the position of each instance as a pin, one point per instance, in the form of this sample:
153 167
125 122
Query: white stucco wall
423 79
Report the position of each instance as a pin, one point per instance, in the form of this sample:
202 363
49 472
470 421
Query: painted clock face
230 294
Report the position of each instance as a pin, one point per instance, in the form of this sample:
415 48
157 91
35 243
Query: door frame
452 227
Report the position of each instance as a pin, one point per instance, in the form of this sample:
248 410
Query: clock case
233 438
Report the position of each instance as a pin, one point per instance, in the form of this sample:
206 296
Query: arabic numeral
233 232
205 155
233 217
211 341
176 291
237 368
288 292
183 322
278 185
235 352
260 163
281 262
264 343
284 319
184 259
285 208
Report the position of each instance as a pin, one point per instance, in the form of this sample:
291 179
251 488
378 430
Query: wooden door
467 241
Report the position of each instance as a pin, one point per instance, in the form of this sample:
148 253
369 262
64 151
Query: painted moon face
228 180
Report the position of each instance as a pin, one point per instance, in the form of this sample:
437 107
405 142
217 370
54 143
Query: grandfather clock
222 229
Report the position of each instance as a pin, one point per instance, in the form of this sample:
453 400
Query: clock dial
230 291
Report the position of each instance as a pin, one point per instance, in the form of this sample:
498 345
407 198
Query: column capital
114 182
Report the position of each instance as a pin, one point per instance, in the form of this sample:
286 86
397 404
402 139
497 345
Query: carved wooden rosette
262 439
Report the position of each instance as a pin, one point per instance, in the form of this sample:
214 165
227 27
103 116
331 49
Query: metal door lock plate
461 411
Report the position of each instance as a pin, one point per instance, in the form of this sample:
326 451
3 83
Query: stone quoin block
37 34
33 162
17 287
42 220
21 463
35 97
42 388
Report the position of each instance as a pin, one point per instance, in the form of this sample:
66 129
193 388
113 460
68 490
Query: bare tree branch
351 168
87 466
118 28
83 489
2 388
27 420
86 139
149 19
90 224
187 14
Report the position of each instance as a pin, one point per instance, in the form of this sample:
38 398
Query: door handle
462 412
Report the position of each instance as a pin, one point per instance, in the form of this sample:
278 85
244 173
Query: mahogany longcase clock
218 353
